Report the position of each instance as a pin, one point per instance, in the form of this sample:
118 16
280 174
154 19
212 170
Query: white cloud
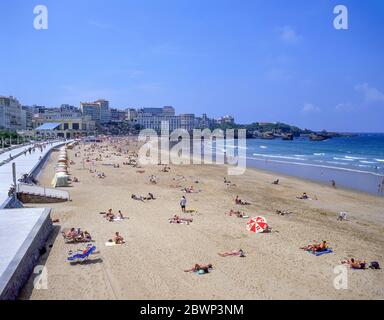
371 94
289 35
310 108
344 106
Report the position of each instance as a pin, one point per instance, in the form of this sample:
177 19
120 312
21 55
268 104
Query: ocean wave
368 162
320 166
279 157
344 159
355 158
380 160
319 154
263 147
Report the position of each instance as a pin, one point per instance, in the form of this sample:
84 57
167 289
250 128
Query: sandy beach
150 264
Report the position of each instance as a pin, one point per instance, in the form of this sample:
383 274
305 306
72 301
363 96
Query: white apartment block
11 117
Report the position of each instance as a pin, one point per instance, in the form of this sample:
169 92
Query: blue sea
355 162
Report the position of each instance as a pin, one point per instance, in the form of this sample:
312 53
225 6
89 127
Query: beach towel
319 253
112 244
118 219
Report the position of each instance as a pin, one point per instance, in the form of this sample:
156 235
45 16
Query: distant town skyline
254 60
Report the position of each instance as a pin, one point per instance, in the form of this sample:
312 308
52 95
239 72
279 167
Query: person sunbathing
118 239
316 247
283 212
71 234
135 197
241 202
303 197
276 181
198 267
109 215
177 219
85 235
75 179
238 214
232 253
355 264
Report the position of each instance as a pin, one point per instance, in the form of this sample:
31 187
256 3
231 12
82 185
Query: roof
49 126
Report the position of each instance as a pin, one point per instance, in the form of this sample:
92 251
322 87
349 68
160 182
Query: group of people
110 216
76 235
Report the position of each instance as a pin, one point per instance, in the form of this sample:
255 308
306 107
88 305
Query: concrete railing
42 191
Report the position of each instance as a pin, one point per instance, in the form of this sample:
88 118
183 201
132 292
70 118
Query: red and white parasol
257 224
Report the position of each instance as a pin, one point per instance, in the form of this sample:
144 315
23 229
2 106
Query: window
75 126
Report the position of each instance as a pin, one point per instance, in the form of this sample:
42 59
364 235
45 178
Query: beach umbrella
257 224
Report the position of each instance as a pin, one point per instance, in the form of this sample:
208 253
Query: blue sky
271 60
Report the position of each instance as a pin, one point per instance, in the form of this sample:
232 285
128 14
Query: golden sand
150 265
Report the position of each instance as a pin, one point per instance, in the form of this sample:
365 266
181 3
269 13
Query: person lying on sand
118 239
355 264
190 190
198 267
241 202
238 214
276 181
232 253
177 219
316 247
72 233
303 197
75 179
77 235
135 197
228 183
283 212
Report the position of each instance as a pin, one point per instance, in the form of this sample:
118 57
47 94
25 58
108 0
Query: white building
98 110
10 114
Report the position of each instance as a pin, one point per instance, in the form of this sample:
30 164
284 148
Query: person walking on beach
183 203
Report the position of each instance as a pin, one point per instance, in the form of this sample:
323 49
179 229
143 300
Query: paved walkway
24 165
5 155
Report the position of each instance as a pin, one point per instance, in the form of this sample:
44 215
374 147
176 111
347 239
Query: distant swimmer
333 183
